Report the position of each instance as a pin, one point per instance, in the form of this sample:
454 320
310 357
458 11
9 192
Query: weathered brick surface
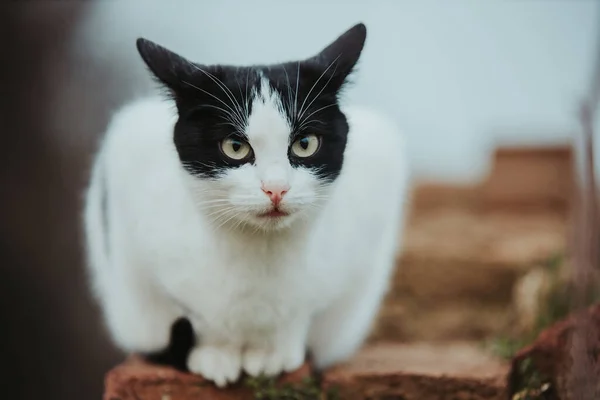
138 380
420 372
382 371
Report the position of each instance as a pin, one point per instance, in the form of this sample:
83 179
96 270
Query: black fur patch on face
214 101
311 104
209 112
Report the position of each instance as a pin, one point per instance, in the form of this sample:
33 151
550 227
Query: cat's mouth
274 213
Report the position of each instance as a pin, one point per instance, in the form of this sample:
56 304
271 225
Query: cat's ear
341 56
169 68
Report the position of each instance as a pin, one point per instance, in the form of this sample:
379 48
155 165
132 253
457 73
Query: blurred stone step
459 268
531 177
405 320
520 178
475 241
473 253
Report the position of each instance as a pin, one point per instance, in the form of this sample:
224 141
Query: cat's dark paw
181 342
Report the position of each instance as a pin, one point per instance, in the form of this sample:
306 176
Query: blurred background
488 94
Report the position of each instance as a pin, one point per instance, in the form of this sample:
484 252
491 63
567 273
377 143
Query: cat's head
262 144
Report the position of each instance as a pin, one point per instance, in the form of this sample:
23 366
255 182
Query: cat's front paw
257 361
222 365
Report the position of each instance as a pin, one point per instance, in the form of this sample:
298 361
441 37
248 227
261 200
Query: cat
252 202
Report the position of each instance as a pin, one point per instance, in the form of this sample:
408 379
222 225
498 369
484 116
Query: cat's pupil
304 143
236 146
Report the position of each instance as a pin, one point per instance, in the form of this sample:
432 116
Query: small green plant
268 389
531 385
506 347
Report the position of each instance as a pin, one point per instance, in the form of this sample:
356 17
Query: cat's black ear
168 67
341 56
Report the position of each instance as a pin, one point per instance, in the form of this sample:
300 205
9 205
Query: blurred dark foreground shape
51 343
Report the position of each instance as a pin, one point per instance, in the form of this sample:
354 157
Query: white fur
258 293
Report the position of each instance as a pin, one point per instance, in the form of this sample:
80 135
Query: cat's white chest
248 291
257 311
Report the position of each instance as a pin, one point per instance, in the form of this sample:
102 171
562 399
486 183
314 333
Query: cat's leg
217 355
284 351
338 332
138 315
222 361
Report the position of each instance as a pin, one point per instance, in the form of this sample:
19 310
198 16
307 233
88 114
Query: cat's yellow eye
306 146
235 149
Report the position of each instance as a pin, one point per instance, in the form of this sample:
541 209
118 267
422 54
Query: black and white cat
251 203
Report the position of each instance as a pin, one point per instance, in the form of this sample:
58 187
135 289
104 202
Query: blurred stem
582 379
587 255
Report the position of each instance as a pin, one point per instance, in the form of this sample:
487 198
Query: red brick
420 372
551 355
381 371
137 380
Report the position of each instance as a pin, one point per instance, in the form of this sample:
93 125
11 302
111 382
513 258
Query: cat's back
141 172
376 157
140 129
139 158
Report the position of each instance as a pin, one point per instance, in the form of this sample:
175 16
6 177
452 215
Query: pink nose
275 193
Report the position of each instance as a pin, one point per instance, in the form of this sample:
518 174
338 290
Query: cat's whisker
289 91
240 91
315 84
233 125
233 112
247 102
218 223
214 200
238 225
307 123
205 206
244 100
227 92
227 116
302 123
321 91
220 210
212 193
227 220
296 97
209 207
227 113
247 198
199 163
